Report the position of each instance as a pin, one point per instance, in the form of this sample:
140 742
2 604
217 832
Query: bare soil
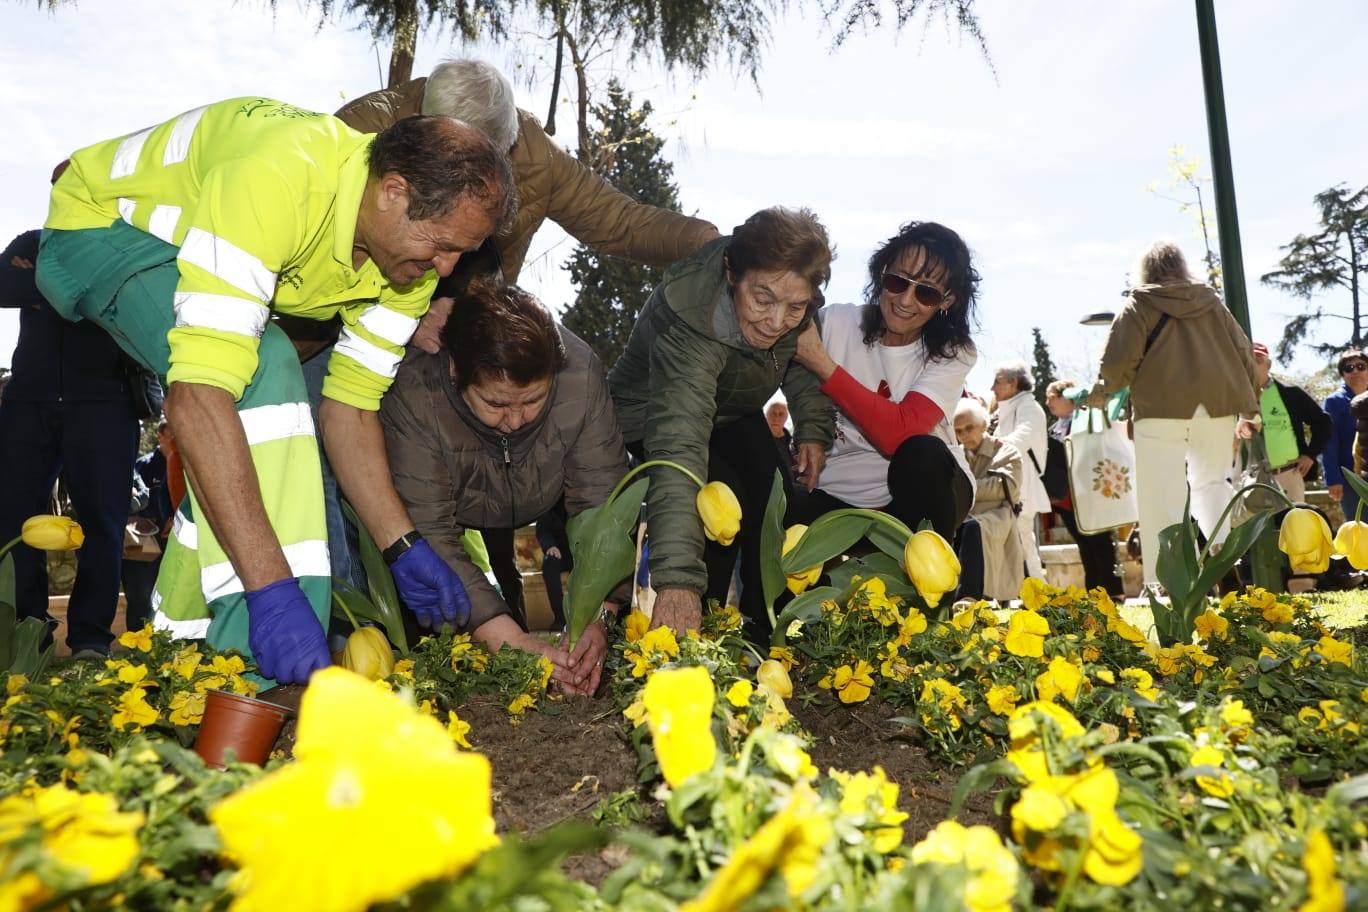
859 737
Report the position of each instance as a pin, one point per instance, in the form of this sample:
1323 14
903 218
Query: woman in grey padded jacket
492 433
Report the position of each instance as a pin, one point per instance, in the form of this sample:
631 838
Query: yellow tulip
932 566
720 511
800 581
1352 541
1305 539
368 654
53 533
773 675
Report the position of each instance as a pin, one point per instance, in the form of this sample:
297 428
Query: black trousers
552 568
93 445
743 456
139 580
924 481
503 561
1098 554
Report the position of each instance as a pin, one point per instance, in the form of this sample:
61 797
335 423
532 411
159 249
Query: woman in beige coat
997 468
1190 369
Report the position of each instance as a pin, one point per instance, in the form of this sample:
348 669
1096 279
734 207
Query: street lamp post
1232 261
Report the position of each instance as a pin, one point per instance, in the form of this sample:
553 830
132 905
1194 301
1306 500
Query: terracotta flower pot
245 727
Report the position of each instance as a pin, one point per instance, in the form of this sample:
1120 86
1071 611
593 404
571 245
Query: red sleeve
885 423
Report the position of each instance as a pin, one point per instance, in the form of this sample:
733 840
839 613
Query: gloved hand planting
430 588
287 640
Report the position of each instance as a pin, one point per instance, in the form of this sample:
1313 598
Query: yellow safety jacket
261 199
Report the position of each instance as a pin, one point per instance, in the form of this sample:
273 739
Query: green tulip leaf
1358 484
383 594
772 577
603 551
830 536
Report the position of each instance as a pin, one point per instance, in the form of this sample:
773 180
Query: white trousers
1026 528
1168 451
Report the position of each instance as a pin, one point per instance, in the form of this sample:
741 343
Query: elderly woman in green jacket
713 344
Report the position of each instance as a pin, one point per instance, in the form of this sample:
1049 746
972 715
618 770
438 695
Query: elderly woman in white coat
1020 421
997 478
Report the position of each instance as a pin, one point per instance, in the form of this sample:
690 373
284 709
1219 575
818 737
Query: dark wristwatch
400 546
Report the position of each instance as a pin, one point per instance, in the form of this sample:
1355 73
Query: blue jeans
344 547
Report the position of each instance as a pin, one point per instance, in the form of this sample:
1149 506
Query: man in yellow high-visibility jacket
180 240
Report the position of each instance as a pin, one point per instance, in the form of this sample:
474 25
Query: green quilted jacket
687 369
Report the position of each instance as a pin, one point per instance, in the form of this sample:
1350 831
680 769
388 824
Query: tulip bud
932 566
800 581
772 676
368 654
53 533
1305 539
720 511
1352 541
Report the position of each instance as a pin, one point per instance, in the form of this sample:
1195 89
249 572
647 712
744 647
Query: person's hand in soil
501 630
586 661
679 609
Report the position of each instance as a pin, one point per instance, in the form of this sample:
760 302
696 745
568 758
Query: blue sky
1042 168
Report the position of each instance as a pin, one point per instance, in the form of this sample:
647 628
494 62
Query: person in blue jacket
66 409
1339 452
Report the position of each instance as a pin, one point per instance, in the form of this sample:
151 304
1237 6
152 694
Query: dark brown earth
548 767
860 737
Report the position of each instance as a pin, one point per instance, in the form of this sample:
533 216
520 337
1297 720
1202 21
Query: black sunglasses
927 295
1353 367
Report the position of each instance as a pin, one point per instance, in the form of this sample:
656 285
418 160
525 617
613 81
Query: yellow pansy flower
1333 650
873 800
84 833
636 626
458 729
187 708
140 640
1211 626
1026 632
356 821
1142 682
1234 714
739 694
1324 890
134 712
853 684
521 704
786 754
784 655
1036 593
790 843
993 867
1061 677
1002 699
679 705
1221 785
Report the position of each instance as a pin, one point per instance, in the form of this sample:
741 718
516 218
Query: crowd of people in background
447 400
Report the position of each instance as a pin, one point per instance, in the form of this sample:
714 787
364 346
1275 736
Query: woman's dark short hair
945 335
779 239
502 332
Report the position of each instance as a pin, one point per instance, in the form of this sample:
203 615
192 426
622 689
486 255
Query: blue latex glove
286 639
430 588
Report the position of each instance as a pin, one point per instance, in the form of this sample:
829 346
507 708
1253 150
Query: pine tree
1044 369
611 291
1333 258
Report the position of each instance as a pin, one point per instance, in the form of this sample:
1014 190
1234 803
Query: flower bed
1045 756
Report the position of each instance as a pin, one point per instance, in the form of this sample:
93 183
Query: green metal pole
1227 221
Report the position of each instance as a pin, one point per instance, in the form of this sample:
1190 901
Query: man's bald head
444 160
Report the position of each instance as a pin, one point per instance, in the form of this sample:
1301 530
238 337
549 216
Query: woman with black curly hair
895 366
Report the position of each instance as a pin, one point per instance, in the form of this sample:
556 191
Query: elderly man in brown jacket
552 184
